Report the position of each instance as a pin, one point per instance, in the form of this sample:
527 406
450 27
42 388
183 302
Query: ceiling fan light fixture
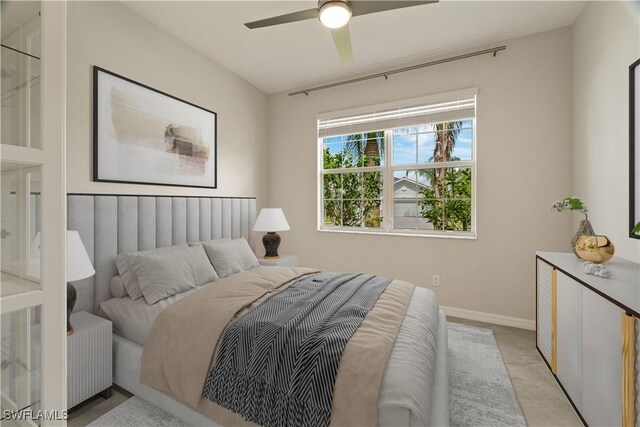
334 14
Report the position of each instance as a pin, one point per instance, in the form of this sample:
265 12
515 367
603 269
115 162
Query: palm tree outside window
416 179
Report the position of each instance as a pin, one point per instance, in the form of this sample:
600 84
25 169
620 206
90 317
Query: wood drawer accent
628 370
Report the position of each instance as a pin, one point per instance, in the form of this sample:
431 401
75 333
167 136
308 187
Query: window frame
388 169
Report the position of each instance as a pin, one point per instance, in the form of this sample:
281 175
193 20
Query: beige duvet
182 344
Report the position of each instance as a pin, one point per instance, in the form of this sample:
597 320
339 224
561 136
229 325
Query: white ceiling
302 53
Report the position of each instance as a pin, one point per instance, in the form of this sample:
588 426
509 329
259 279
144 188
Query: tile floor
541 399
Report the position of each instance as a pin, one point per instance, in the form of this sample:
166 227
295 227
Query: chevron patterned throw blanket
277 364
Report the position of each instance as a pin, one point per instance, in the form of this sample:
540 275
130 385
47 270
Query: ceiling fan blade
284 19
342 39
364 7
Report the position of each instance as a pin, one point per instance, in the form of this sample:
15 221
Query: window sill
441 235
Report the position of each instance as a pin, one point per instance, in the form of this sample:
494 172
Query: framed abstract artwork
144 136
634 148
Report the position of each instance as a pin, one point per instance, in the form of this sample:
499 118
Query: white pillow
169 273
128 275
117 287
230 256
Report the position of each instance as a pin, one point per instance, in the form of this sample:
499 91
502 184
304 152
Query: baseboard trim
495 319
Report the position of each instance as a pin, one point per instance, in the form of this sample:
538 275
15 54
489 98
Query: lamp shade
271 219
78 263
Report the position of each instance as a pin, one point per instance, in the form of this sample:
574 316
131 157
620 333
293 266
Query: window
400 168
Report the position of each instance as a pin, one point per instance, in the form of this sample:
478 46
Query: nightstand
89 358
282 261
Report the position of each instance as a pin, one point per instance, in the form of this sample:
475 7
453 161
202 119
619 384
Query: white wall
606 40
524 133
114 37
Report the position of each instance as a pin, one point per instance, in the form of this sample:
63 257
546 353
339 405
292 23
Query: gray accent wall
111 224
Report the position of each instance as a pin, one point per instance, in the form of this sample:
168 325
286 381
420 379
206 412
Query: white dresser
587 333
89 358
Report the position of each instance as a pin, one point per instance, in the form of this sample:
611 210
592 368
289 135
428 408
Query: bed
414 386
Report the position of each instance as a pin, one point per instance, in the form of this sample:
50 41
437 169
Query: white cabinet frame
51 158
54 221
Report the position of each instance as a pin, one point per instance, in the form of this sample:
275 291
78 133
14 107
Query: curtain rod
386 74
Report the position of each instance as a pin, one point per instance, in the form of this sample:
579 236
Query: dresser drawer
88 377
89 337
89 357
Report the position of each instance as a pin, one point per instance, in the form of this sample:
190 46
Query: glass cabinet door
20 77
20 364
20 232
20 81
32 297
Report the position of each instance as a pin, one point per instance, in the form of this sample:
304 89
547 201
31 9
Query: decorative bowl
597 249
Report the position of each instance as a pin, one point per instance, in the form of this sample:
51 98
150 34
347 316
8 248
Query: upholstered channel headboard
113 224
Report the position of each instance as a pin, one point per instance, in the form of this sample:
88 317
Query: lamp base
72 295
271 241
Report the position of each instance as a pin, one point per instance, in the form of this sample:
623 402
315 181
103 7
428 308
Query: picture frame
634 147
142 135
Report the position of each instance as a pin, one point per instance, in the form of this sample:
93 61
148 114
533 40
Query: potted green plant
575 204
636 229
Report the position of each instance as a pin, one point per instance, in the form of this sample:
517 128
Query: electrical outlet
435 280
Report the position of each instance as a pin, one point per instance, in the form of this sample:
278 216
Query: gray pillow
169 273
230 256
117 287
127 274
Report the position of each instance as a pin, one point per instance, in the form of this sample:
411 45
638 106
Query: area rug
136 412
481 394
480 390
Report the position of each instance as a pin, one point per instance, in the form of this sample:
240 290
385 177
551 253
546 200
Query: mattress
408 381
133 319
410 374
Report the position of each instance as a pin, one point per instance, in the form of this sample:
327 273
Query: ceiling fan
335 15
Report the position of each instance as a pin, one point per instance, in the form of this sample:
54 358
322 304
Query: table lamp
78 267
271 220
